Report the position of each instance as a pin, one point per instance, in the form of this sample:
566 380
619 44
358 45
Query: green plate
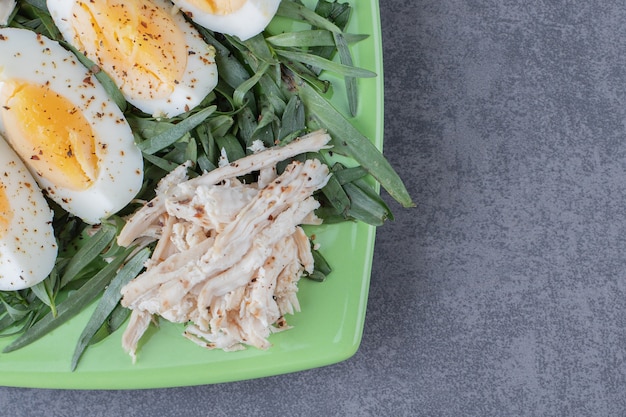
327 330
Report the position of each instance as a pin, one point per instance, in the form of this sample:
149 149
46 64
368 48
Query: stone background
503 292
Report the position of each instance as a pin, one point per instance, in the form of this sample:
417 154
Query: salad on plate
175 162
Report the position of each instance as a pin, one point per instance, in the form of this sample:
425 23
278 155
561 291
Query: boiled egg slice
6 8
241 18
28 249
158 60
69 133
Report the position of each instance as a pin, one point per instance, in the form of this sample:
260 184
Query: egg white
249 20
27 56
199 79
28 248
6 9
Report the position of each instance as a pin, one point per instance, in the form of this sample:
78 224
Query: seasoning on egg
28 248
157 59
241 18
72 137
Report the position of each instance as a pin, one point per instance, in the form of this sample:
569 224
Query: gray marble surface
504 292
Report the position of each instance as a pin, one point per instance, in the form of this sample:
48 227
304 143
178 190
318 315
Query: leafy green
108 302
87 253
175 132
348 141
76 302
310 38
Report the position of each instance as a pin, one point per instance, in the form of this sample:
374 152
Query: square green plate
327 330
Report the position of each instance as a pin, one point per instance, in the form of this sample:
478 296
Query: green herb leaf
293 121
295 11
366 206
45 291
177 131
246 86
310 38
15 311
351 86
111 297
51 30
231 146
40 4
349 141
325 64
70 307
88 252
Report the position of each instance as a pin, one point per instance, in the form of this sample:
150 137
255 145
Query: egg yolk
50 134
137 43
218 7
6 213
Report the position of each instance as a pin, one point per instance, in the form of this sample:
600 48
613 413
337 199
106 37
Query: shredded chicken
228 255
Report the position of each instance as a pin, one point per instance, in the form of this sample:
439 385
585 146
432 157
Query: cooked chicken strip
148 214
137 326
